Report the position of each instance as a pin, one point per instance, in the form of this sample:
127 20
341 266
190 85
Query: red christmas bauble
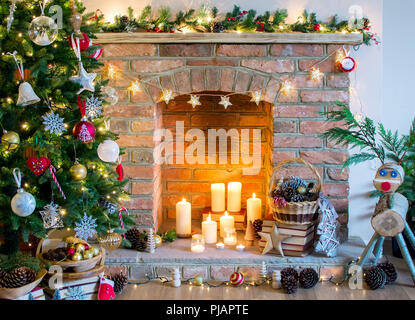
84 42
348 64
237 279
317 27
97 53
84 131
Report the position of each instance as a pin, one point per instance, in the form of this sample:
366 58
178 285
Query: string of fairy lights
285 87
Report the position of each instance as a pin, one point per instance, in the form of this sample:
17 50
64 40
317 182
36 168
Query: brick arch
227 79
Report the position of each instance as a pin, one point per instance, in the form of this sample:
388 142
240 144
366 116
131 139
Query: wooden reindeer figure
389 218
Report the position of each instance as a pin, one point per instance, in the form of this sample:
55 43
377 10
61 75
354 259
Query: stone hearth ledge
178 252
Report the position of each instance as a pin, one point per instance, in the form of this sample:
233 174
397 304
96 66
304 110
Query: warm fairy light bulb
9 100
62 211
19 35
108 197
286 87
26 185
114 192
25 126
316 74
134 87
112 72
238 31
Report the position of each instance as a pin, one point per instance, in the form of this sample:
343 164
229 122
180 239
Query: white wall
386 99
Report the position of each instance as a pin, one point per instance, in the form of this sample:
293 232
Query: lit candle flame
254 195
208 218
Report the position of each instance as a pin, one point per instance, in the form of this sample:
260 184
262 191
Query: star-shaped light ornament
166 95
225 102
273 240
194 100
316 74
84 79
134 87
256 97
286 87
112 72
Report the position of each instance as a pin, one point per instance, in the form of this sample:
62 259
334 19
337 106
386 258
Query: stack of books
240 217
299 244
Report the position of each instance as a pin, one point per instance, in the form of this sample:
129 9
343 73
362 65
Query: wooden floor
403 289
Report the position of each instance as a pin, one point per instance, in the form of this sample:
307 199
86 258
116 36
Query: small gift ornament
106 289
347 63
27 95
38 165
83 130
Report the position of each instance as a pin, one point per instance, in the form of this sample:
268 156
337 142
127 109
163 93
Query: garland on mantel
209 20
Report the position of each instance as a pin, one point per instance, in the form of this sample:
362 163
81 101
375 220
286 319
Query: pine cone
298 198
133 235
308 278
289 273
289 284
294 182
124 20
289 193
120 281
217 27
277 193
390 271
18 278
2 274
257 227
375 278
140 244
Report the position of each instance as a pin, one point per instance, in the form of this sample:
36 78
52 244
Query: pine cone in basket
390 271
257 227
277 193
2 274
308 278
18 278
294 182
298 198
375 278
289 193
120 281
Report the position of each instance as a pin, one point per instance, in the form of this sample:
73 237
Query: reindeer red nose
385 186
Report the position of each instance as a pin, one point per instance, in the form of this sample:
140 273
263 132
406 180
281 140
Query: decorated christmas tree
51 116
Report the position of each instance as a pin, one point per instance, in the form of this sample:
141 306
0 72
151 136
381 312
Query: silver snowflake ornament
54 123
75 293
51 216
85 229
93 107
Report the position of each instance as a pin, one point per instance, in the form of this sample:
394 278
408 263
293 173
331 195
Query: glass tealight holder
198 243
230 238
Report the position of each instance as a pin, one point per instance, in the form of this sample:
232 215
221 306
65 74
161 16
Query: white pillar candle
209 230
218 197
234 196
183 218
226 221
253 208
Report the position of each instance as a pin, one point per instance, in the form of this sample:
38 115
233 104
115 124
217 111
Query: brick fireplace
290 124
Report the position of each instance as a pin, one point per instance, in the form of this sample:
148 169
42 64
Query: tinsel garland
207 20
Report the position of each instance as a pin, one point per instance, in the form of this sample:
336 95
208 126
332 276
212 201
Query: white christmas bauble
43 30
110 95
23 203
108 151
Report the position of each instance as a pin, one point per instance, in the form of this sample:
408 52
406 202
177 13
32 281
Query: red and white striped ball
97 53
237 279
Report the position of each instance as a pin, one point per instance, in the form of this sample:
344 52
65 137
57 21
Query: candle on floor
240 247
198 243
218 197
226 221
220 245
253 208
234 196
183 219
230 237
209 230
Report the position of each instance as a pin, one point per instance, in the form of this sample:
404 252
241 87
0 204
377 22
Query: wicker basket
294 212
13 293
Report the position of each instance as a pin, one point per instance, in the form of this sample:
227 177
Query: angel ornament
389 218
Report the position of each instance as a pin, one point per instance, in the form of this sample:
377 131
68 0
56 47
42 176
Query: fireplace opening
210 144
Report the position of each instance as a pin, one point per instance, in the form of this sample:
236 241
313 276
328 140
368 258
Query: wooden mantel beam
230 37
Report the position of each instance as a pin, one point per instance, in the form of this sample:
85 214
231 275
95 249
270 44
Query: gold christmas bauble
157 240
110 241
95 251
10 140
88 254
198 280
77 256
78 171
79 247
